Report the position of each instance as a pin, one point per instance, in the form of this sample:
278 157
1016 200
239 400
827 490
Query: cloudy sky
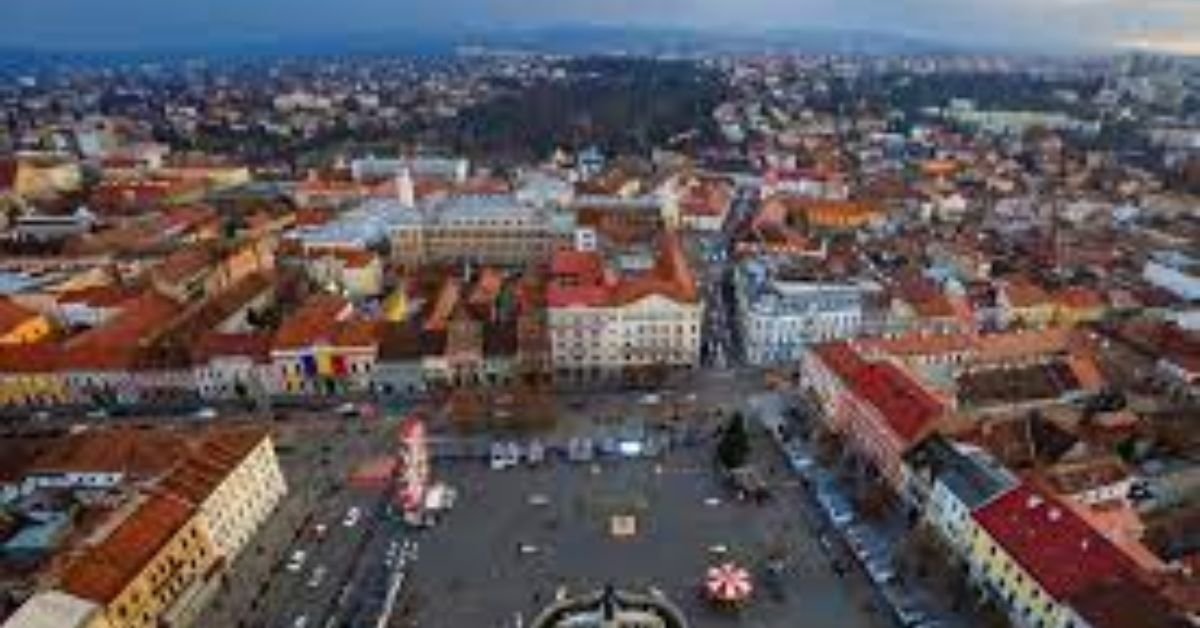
1171 24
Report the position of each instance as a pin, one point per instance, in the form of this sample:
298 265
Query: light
630 448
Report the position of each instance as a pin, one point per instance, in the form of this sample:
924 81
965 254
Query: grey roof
970 473
53 609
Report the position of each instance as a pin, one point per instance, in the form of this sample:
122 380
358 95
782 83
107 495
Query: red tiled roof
1080 298
118 342
185 263
1051 543
1024 293
104 296
315 322
910 411
218 345
105 569
1125 603
8 173
42 357
210 462
138 452
581 279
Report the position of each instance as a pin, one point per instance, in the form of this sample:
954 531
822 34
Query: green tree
734 446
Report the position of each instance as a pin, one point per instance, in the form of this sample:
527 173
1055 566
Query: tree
734 446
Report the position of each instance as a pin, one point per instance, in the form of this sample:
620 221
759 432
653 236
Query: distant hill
566 39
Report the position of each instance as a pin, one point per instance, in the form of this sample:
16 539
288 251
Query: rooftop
54 609
103 570
315 322
909 410
583 279
1051 543
13 314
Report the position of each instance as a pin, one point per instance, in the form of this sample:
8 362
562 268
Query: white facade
778 318
597 342
243 500
1175 273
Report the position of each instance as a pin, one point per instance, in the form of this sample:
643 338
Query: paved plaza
517 536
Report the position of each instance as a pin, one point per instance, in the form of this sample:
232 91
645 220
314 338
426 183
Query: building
605 325
356 273
232 366
703 203
1176 273
955 480
881 410
371 168
1026 304
155 567
55 609
1033 555
813 214
20 325
497 230
780 312
324 349
234 479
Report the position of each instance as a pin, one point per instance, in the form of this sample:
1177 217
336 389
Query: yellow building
20 325
1027 304
1078 305
42 176
155 567
1033 555
29 375
234 478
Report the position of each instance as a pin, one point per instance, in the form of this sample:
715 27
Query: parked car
318 577
352 517
296 562
205 413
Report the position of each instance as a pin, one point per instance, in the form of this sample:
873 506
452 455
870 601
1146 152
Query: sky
138 24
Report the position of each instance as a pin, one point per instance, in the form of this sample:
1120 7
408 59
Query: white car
352 517
300 622
318 577
206 413
538 499
296 562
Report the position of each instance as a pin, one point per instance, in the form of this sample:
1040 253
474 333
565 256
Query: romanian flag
324 364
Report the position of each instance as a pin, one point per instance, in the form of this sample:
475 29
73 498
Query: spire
405 189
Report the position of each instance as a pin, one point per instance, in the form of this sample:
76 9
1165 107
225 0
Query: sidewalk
873 544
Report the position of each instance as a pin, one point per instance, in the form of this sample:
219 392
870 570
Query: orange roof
13 314
580 278
357 333
445 304
315 322
211 460
119 342
108 295
218 345
1079 298
142 453
42 357
185 263
817 212
706 197
103 571
1024 293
